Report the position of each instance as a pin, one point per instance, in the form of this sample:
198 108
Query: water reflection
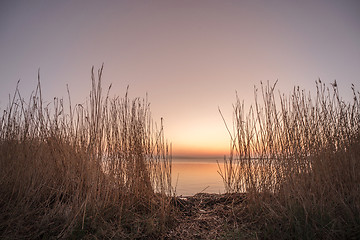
191 176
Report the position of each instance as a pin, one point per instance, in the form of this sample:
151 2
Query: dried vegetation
103 170
298 160
97 170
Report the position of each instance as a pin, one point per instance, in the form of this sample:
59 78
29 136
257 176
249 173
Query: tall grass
99 169
298 159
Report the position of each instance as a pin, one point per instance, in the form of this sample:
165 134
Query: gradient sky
189 56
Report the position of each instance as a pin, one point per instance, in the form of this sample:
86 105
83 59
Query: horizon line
198 156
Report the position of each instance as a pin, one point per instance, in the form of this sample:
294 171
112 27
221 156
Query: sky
189 57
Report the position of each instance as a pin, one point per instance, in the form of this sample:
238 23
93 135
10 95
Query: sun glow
200 137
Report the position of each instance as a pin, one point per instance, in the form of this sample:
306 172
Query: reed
298 160
96 170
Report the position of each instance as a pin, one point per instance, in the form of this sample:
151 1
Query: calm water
191 176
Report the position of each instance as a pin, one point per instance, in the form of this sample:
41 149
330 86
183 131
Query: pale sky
191 57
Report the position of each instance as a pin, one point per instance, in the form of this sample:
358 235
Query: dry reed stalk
299 163
99 169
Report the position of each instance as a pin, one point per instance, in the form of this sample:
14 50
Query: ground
206 216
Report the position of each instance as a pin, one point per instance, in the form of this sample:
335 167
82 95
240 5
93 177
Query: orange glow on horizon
188 151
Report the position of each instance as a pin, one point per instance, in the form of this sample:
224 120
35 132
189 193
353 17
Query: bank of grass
96 170
297 158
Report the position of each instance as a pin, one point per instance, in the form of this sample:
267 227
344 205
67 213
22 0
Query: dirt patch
205 216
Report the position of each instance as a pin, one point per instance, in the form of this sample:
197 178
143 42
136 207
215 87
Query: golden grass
97 170
298 160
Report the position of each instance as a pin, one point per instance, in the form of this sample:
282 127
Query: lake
191 176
